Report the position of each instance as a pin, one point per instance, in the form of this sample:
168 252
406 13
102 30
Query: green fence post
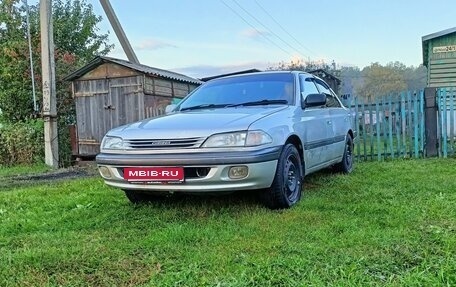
385 128
444 124
439 121
397 123
415 124
409 124
390 126
363 125
371 130
422 128
452 115
377 128
404 125
357 128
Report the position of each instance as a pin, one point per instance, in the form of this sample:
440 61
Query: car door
339 120
314 127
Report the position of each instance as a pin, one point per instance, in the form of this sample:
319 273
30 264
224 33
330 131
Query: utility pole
119 31
51 148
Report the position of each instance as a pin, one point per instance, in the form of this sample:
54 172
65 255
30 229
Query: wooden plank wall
442 73
161 92
90 98
167 88
105 104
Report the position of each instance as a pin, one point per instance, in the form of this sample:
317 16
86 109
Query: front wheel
285 190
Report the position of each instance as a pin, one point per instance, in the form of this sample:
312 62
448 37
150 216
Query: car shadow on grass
247 199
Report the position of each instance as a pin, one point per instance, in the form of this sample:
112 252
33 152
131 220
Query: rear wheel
346 165
285 190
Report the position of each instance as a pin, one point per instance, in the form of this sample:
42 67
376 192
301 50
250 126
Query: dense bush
22 142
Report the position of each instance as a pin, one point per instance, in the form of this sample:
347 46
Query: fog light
237 172
104 171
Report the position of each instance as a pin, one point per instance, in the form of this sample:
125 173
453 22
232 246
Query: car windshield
245 90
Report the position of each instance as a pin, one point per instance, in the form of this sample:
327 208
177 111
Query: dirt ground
15 181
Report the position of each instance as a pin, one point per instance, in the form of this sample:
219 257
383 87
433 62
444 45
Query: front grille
164 143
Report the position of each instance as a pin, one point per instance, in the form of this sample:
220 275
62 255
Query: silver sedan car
262 131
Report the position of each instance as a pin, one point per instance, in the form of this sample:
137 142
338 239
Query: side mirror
315 100
170 108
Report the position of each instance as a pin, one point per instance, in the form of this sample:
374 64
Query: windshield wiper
260 103
203 106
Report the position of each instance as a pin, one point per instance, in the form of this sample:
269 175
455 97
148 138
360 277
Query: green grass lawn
389 224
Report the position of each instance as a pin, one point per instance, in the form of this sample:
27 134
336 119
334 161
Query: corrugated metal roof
138 67
425 40
438 34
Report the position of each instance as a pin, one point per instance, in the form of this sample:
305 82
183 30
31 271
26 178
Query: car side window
331 100
307 86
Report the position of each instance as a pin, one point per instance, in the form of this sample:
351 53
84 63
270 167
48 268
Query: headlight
238 139
112 143
255 138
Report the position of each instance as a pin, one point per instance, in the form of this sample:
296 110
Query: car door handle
328 122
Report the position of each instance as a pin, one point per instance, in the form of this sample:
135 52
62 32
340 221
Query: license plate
154 174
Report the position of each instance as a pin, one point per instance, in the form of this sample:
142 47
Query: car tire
138 197
286 188
346 165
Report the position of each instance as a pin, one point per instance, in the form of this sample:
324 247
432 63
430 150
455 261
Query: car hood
198 123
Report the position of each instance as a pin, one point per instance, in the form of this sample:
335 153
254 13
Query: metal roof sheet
138 67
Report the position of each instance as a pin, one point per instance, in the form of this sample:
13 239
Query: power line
267 28
283 29
258 31
29 38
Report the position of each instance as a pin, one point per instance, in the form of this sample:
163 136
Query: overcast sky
203 38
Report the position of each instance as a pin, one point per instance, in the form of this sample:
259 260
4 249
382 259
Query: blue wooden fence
446 121
393 126
390 126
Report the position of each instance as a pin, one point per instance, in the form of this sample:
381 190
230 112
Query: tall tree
15 96
415 77
381 80
77 39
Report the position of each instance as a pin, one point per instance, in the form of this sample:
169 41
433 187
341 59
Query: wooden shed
333 81
110 92
439 56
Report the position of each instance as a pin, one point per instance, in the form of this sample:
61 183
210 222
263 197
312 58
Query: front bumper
261 166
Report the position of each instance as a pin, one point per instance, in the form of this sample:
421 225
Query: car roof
265 72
